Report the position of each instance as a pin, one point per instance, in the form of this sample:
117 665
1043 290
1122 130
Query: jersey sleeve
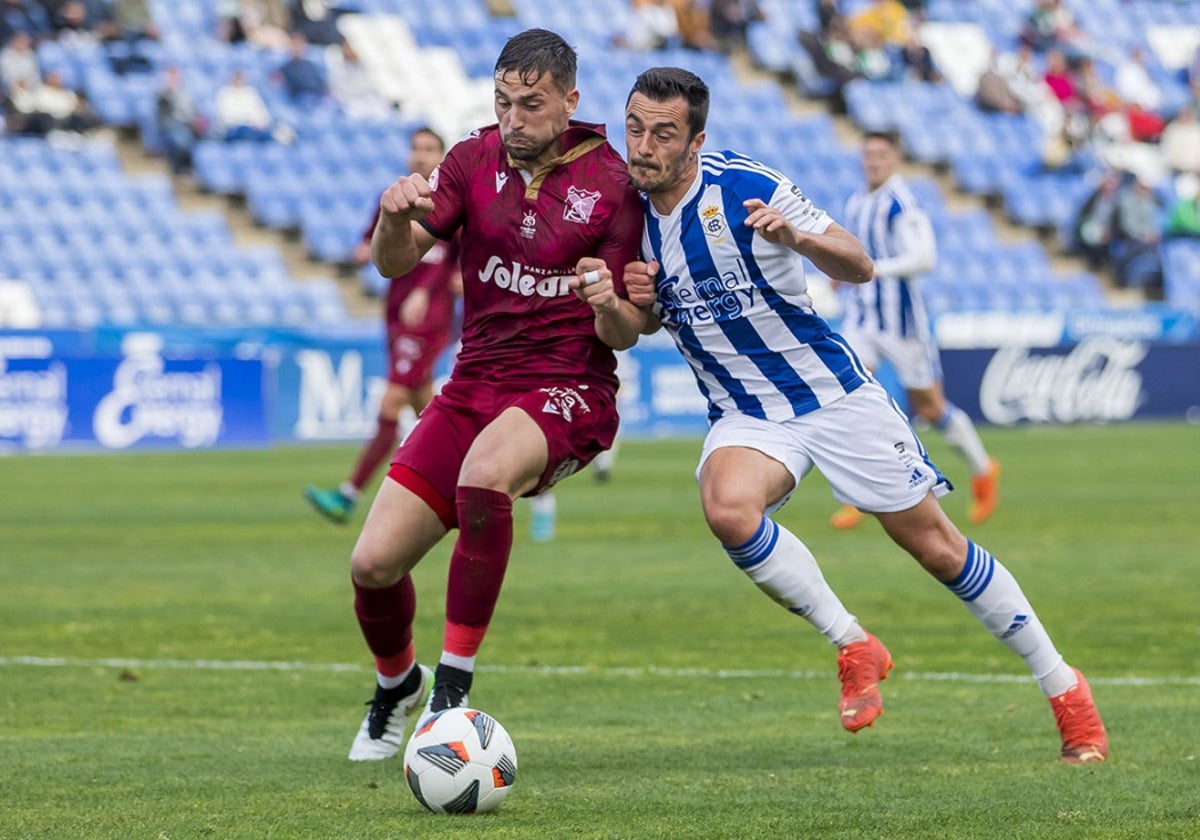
799 210
623 238
450 188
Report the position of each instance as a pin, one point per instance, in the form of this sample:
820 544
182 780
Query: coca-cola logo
1096 381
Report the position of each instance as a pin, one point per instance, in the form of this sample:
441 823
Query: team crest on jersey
713 221
529 224
580 204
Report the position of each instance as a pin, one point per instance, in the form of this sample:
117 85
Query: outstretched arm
835 251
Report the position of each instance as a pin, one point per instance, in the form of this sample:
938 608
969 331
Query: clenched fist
407 200
639 282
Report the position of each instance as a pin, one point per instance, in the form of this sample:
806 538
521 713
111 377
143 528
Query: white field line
557 670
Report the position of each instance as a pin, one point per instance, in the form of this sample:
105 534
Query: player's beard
659 178
526 153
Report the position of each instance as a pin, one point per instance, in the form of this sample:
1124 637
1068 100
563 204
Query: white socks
960 433
784 568
994 597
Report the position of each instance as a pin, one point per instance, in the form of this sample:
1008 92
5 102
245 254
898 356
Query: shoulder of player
743 176
479 139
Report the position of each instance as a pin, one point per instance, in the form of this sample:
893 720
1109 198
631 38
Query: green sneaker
329 503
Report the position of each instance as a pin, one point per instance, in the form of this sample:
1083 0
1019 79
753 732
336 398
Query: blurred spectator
1184 216
23 16
1181 142
871 58
240 112
883 22
728 20
19 62
1049 26
303 81
653 24
1136 257
351 85
916 62
1061 81
1133 83
316 20
77 22
179 124
695 25
129 24
48 107
832 54
1095 223
262 23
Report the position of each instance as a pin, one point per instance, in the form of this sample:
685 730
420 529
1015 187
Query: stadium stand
122 251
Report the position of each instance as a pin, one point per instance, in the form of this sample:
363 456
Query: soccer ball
460 761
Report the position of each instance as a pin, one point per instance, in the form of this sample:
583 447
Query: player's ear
697 143
572 102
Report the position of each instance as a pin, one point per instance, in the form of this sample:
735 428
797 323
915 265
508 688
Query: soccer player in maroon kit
546 211
419 313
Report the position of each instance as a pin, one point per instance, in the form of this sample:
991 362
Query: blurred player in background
544 204
419 312
886 319
723 242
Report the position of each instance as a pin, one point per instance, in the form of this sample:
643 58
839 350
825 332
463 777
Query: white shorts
915 359
862 444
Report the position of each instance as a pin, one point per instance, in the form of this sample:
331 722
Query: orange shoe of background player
1084 740
985 491
861 666
846 518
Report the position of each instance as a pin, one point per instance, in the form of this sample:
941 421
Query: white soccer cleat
382 732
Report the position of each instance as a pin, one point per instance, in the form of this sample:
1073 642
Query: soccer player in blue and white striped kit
886 318
722 271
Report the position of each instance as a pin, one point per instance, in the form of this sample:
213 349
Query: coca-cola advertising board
1097 380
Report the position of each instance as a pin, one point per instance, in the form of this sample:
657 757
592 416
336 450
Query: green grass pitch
179 658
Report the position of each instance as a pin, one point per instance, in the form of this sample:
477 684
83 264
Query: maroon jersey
520 243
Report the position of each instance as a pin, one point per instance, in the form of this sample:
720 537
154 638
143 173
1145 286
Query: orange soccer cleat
1083 737
846 518
985 491
861 666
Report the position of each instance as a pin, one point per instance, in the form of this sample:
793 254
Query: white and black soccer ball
460 761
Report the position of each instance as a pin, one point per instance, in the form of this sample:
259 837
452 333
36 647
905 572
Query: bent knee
732 524
375 568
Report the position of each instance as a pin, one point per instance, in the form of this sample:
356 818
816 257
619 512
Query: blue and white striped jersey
738 305
899 238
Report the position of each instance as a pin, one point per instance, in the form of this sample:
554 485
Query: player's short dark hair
662 83
890 137
534 53
424 129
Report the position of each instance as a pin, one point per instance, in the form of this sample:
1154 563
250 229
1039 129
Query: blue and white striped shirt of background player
737 305
898 236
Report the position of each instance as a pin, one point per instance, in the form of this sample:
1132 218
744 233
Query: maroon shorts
412 355
578 420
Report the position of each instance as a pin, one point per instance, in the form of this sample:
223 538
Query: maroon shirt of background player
414 350
521 241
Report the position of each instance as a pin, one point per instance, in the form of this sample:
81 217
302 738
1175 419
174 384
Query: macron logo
501 180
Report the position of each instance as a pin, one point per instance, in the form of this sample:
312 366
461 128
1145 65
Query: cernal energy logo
33 405
149 401
1097 380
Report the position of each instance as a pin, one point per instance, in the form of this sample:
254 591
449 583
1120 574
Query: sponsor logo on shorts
566 468
525 280
916 479
564 402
